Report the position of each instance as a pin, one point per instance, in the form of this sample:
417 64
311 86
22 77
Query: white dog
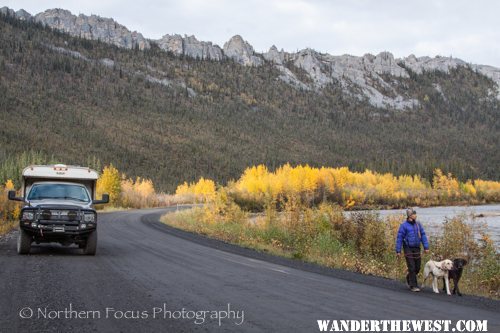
438 269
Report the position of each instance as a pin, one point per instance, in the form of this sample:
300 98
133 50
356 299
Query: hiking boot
415 289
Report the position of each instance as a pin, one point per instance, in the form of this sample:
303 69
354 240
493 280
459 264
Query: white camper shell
60 172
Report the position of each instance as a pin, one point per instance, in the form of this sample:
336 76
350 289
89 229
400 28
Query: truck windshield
59 191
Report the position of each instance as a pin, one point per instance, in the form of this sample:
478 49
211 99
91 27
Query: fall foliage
126 192
138 194
259 187
110 182
202 190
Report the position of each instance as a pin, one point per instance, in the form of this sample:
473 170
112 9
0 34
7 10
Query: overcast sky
466 29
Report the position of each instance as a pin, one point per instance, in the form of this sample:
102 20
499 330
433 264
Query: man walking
410 235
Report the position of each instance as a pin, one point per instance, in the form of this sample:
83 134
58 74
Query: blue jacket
411 234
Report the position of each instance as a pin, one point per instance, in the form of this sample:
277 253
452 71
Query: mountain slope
172 118
363 77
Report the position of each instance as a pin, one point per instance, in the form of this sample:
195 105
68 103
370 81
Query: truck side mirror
104 200
12 196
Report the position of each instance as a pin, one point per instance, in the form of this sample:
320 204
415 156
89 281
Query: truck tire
23 242
91 244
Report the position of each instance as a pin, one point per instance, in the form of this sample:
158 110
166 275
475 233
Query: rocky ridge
92 27
241 51
371 77
190 46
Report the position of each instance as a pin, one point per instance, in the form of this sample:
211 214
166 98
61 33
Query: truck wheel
91 244
23 242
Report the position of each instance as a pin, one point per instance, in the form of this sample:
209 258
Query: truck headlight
89 217
28 215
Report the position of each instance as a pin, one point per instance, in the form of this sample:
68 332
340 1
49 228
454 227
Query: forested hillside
173 118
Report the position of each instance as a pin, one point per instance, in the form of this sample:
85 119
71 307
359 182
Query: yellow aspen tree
183 189
110 182
144 187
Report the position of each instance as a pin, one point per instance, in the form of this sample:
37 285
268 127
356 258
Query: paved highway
145 272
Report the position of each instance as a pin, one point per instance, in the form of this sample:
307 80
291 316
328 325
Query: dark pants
413 260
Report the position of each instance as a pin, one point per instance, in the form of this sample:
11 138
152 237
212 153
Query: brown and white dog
438 269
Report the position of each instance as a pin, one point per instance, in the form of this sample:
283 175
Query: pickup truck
58 207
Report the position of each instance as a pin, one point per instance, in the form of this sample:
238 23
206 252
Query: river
432 218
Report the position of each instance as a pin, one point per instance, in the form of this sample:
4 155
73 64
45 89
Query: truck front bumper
43 229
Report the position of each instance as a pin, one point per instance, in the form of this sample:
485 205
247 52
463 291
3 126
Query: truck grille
59 215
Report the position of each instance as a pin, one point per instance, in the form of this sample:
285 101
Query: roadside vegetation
299 212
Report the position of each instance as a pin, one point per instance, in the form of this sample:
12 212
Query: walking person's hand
426 251
398 255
